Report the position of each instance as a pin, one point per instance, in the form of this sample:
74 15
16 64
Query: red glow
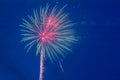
51 22
47 36
48 33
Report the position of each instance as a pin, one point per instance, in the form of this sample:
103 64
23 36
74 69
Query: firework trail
51 32
41 66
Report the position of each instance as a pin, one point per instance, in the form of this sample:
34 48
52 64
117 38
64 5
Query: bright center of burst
48 33
46 37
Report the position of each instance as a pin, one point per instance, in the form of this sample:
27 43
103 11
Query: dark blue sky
96 57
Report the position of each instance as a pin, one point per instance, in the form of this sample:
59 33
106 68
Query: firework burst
50 30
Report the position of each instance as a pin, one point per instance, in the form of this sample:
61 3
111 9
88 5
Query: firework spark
50 30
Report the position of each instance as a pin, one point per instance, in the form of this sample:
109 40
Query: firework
50 30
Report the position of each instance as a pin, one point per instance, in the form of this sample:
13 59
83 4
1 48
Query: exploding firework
50 30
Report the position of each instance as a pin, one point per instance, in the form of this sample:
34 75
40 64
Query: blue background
96 57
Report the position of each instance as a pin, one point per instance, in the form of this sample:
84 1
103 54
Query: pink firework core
46 37
48 33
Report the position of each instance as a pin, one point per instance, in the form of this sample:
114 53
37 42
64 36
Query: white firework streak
51 32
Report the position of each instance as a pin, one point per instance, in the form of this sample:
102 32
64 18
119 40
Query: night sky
95 57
